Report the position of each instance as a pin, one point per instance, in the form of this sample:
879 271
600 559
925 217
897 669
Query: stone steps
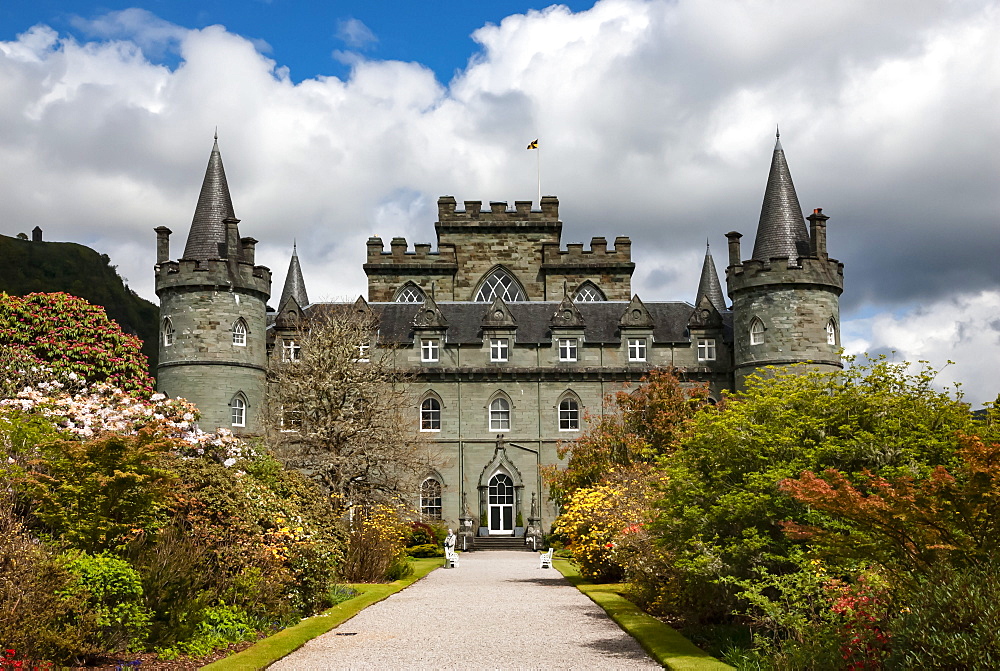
500 543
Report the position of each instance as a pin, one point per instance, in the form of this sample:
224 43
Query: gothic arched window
430 414
831 333
500 283
410 293
238 410
589 293
240 333
430 499
500 414
168 332
756 332
569 414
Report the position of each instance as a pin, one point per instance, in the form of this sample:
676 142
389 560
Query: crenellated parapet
497 215
399 252
575 256
218 274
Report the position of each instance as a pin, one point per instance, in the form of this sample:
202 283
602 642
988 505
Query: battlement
808 270
219 274
598 255
498 213
399 252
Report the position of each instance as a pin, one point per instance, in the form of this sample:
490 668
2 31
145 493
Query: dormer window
499 283
499 349
290 350
756 332
240 333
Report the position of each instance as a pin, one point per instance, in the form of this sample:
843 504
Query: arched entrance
501 505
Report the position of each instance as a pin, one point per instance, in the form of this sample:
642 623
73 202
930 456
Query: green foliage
111 589
722 508
399 568
68 335
217 627
98 494
428 550
47 267
420 534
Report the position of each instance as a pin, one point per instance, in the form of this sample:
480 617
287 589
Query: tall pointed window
831 333
238 410
430 414
588 293
569 414
499 283
430 499
500 414
240 333
168 332
410 293
756 332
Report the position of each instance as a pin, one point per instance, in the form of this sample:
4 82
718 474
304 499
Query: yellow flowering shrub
376 541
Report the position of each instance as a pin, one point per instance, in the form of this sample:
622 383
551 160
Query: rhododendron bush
49 336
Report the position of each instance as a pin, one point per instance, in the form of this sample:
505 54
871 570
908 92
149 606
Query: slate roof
465 321
782 229
709 284
207 237
295 285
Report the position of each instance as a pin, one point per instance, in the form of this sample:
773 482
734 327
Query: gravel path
498 610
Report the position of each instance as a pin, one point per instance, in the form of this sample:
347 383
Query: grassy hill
28 267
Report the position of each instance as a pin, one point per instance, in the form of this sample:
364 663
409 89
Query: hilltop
30 267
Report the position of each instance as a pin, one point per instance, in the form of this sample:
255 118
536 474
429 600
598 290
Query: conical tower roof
295 286
709 285
782 230
207 237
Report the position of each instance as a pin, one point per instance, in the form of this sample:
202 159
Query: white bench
450 558
546 558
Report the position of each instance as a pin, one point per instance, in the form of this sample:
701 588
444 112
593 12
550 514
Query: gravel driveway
498 610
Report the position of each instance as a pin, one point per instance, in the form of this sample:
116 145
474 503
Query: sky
655 118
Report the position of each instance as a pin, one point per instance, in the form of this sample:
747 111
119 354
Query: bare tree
339 410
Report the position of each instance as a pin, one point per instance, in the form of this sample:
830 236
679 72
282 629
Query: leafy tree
641 425
50 336
342 414
722 507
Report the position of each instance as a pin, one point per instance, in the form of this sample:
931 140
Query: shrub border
664 643
269 650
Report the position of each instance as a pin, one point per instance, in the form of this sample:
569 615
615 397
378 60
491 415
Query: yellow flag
533 144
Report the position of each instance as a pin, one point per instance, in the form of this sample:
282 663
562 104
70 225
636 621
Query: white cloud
354 33
655 120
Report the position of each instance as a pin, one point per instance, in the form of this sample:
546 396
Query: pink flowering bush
49 336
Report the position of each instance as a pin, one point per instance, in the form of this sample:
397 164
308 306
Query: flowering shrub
64 334
375 544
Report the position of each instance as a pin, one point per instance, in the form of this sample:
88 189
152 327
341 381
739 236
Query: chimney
162 244
232 239
249 246
734 248
817 233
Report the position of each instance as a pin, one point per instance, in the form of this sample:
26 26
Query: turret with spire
295 284
786 297
212 312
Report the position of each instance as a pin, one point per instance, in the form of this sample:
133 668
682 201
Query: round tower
213 313
786 297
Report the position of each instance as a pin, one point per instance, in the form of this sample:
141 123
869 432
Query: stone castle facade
511 338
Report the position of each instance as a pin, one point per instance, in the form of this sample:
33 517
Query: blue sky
656 120
306 36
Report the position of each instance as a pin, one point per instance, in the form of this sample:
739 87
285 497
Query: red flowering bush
49 336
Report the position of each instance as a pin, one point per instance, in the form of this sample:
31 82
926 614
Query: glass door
501 505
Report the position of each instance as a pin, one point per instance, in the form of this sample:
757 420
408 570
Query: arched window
831 333
569 414
756 332
499 283
240 333
168 332
238 410
589 293
500 414
430 414
430 499
410 293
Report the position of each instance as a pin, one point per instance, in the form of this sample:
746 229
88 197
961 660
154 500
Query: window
168 332
499 283
706 349
831 333
363 353
240 333
498 349
756 332
569 415
430 499
238 411
636 349
290 351
410 294
430 414
429 350
567 349
499 414
588 293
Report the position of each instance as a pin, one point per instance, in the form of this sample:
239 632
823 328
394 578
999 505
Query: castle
511 338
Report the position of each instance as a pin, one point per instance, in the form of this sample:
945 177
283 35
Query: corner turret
786 297
212 312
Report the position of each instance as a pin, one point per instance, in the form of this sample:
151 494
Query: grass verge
664 643
287 641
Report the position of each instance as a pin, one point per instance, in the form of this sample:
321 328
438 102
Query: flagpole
538 163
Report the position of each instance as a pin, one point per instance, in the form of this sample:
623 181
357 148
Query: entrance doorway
501 505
